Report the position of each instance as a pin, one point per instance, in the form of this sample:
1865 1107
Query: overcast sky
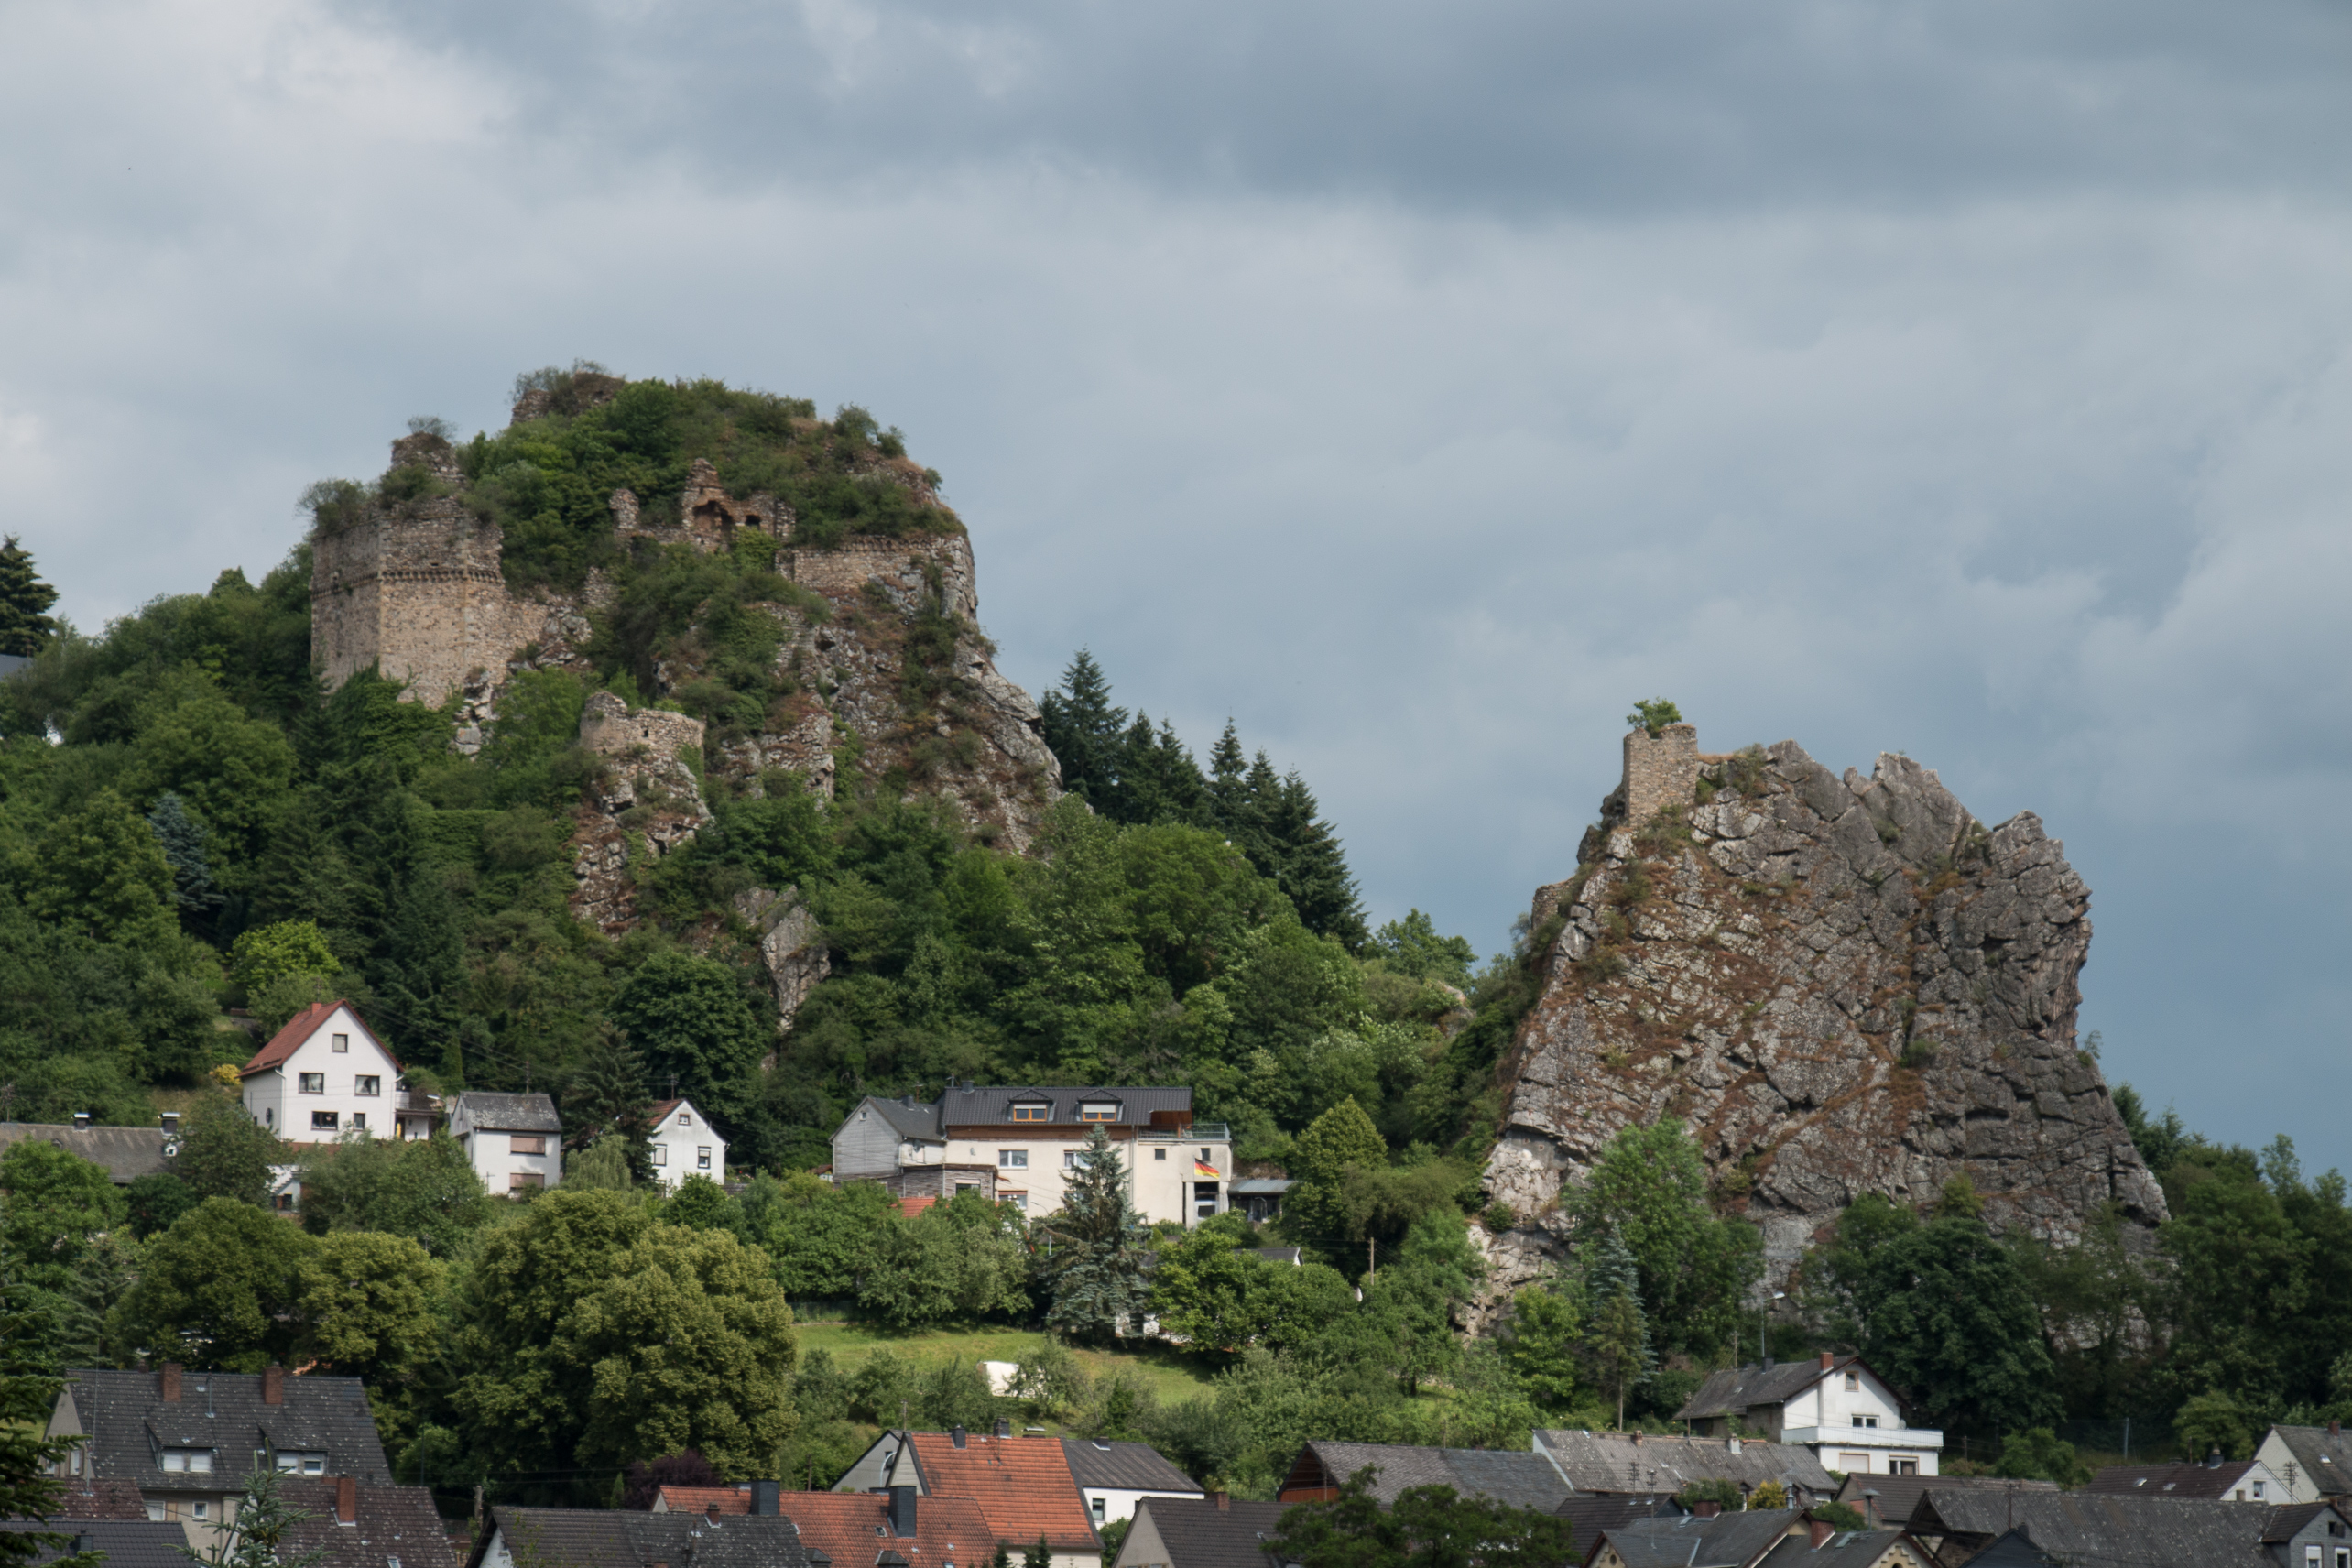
1416 385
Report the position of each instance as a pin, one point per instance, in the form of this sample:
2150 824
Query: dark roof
2182 1480
2112 1532
909 1121
1203 1535
2288 1522
1615 1462
90 1497
127 1544
1589 1516
1261 1186
392 1526
974 1107
623 1537
127 1152
1686 1540
301 1026
129 1423
1518 1477
2016 1550
1846 1549
2323 1457
1290 1255
1738 1389
1899 1495
507 1113
1122 1467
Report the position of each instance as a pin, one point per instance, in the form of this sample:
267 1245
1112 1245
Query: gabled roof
853 1529
92 1497
663 1113
1022 1485
1645 1465
1686 1540
1589 1517
127 1544
129 1422
1899 1495
2113 1531
127 1152
1846 1549
1124 1466
623 1537
908 1116
2182 1480
301 1028
2289 1521
1738 1389
974 1107
1203 1535
507 1113
392 1526
2324 1457
1520 1477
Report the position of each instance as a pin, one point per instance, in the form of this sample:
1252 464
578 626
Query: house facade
2218 1480
683 1143
1113 1477
1023 1486
1647 1465
1833 1405
1022 1145
515 1141
2311 1462
1213 1532
325 1075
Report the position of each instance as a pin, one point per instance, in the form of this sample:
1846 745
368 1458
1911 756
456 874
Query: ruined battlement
1660 770
610 727
708 516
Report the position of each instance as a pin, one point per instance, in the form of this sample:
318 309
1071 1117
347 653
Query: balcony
1199 1132
408 1102
1864 1437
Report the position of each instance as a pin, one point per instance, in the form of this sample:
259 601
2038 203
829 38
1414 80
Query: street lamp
1762 1319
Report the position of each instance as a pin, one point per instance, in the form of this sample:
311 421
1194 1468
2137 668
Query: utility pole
1371 1266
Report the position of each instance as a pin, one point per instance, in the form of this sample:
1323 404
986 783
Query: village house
1114 1477
1884 1500
1521 1479
628 1537
2311 1462
1214 1532
2129 1530
1645 1465
1766 1538
1022 1486
683 1143
2216 1480
325 1074
128 1153
1833 1405
515 1141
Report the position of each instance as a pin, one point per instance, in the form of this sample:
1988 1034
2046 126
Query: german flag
1202 1168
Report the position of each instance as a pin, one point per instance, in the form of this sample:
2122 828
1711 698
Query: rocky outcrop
1842 985
792 949
646 801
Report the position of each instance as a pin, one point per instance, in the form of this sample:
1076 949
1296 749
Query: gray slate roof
1846 1549
2181 1480
2015 1549
1899 1494
2111 1531
1614 1462
623 1537
1686 1540
1516 1476
505 1113
1589 1516
1124 1466
1202 1535
127 1544
128 1153
1738 1389
393 1527
2324 1458
976 1107
908 1120
129 1424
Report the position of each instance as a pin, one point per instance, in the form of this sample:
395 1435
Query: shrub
1653 715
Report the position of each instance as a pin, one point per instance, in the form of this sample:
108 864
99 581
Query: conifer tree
26 628
261 1538
606 1102
1310 866
31 1461
1227 790
1083 730
1616 1331
181 833
1094 1261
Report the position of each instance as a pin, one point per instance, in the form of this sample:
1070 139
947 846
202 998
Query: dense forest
200 840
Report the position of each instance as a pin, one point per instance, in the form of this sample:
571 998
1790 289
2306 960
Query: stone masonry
1840 984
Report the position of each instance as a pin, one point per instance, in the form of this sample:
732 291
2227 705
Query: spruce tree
1616 1331
26 628
263 1534
181 833
31 1461
606 1102
1083 730
1227 789
1310 866
1093 1260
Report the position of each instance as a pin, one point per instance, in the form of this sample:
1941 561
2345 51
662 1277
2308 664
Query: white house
1833 1405
325 1075
1114 1477
516 1141
2311 1462
684 1144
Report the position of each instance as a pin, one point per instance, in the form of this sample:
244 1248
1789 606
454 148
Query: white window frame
685 1118
369 1085
661 1154
303 1083
1012 1159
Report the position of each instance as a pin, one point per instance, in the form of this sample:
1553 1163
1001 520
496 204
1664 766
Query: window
155 1512
702 1157
1070 1159
2344 1557
1019 1200
188 1461
311 1082
339 1043
2311 1557
1853 1382
685 1118
269 1117
1096 1504
963 1187
1031 1113
1098 1113
1160 1154
2258 1491
1853 1464
1865 1420
1012 1159
527 1143
202 1510
661 1154
1901 1465
359 1121
325 1121
294 1463
367 1083
524 1179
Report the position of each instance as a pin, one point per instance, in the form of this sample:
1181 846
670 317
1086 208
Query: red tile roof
301 1026
1022 1485
913 1206
701 1500
660 1113
851 1528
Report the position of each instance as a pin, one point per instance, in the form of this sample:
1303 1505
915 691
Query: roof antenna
673 1085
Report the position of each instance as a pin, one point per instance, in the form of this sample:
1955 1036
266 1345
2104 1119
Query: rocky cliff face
1843 986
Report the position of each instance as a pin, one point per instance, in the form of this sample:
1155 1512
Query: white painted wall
685 1145
355 1084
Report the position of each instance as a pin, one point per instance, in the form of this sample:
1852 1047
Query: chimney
2335 1429
1870 1514
1004 1427
902 1510
80 1120
346 1500
1819 1530
171 1382
956 1434
1827 1360
2212 1458
1223 1501
1637 1437
1707 1511
171 1124
273 1384
767 1499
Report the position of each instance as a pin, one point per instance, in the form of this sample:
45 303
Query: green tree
180 834
1617 1350
53 1203
425 1190
264 956
32 1462
98 870
701 1203
692 1020
26 626
1653 715
226 1154
2214 1421
1092 1266
1649 1186
1542 1342
264 1533
603 1167
1413 947
368 1303
156 1201
1426 1527
1341 1141
1083 729
606 1096
964 1259
821 1236
220 1289
2037 1454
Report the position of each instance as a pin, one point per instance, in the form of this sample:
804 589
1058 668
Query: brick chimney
1827 1360
273 1384
1223 1500
1819 1530
1707 1511
346 1500
171 1382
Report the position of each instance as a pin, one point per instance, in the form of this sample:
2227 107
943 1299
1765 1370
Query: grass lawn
1173 1376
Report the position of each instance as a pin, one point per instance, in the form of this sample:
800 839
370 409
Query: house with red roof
899 1527
684 1144
325 1074
1022 1486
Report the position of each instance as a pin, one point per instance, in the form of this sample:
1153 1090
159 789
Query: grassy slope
1175 1377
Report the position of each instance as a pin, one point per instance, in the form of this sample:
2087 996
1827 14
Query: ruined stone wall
414 590
1660 772
610 727
896 565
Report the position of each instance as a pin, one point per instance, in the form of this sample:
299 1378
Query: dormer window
294 1463
1099 1111
188 1461
1030 1111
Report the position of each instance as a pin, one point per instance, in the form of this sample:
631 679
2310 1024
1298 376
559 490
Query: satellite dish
171 1149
